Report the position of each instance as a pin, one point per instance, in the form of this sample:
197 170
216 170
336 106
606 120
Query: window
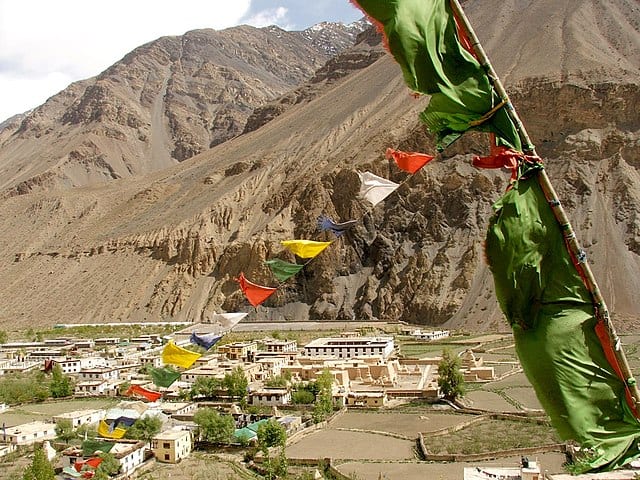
166 445
166 456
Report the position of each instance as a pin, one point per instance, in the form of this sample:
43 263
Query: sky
46 45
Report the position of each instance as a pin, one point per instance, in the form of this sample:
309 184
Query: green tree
145 428
87 431
276 467
236 384
278 381
109 466
214 427
450 379
4 336
206 387
271 434
40 468
64 430
61 385
324 398
302 396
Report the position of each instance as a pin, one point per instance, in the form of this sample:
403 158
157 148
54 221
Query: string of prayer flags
179 356
375 189
205 341
143 392
326 223
256 294
105 431
305 248
163 377
283 270
227 320
408 161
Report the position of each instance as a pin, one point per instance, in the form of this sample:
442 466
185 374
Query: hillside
161 104
167 245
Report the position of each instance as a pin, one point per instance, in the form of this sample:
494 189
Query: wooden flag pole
579 254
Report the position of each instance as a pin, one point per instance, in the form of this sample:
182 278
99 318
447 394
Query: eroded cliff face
417 257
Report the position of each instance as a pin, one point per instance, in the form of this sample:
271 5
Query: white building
29 433
171 446
75 365
130 456
81 417
100 373
280 346
430 336
350 347
270 397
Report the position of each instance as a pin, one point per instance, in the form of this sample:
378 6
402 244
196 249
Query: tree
324 398
302 396
206 387
4 337
61 385
278 381
145 428
109 466
276 467
64 430
236 384
450 379
214 427
271 434
40 468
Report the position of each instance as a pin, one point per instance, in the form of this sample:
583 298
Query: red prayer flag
148 394
409 161
94 462
256 294
502 157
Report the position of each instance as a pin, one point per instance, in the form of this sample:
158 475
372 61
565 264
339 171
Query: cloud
270 16
42 43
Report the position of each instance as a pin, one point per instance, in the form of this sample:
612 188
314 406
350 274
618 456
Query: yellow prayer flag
103 431
305 248
179 356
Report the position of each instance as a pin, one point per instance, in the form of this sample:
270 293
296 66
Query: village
252 381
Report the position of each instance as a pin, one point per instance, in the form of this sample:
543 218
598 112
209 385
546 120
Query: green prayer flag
163 377
89 447
555 328
422 37
283 270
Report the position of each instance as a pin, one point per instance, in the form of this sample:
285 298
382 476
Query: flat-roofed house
29 433
350 347
270 397
81 417
171 446
239 350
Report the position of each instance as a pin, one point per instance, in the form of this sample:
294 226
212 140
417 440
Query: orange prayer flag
409 161
256 294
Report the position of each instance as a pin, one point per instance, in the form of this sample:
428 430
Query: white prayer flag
374 188
227 320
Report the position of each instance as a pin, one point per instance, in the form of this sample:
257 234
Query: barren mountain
167 245
161 104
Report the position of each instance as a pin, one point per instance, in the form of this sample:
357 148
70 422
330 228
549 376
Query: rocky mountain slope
167 245
161 104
